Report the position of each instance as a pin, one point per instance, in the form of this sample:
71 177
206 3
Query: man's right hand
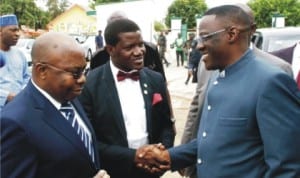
151 159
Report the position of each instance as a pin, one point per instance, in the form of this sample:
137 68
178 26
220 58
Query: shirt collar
115 70
56 104
237 65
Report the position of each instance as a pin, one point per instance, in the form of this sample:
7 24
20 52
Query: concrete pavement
181 96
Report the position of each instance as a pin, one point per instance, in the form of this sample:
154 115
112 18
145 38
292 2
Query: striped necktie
68 112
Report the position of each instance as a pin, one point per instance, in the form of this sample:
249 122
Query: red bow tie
132 75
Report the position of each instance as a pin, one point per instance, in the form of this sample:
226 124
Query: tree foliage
187 10
107 1
265 9
56 7
158 26
29 14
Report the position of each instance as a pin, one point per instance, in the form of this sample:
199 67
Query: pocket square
156 98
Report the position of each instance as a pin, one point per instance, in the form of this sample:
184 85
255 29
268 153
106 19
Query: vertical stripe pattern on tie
69 113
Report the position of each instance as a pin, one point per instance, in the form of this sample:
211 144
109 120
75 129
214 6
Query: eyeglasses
206 37
76 74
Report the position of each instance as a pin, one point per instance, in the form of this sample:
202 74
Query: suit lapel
47 112
113 99
147 94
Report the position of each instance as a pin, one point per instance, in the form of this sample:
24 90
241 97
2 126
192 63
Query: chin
138 67
209 66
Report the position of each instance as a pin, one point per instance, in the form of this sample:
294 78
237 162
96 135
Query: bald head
58 65
53 43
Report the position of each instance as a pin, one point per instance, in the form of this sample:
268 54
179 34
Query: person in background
193 59
99 41
250 112
179 48
162 47
44 130
151 59
2 59
14 73
193 118
292 56
127 103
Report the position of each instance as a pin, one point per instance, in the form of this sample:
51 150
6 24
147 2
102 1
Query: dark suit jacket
151 59
285 53
101 103
38 142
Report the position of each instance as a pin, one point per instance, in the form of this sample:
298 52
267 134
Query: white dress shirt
133 109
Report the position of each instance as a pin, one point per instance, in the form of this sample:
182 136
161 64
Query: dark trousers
179 54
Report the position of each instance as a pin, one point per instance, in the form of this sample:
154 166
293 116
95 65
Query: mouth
78 90
15 40
204 57
138 61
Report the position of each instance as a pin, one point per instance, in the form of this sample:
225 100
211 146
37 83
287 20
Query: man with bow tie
127 104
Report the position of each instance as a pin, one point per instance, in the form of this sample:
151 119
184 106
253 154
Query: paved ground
181 96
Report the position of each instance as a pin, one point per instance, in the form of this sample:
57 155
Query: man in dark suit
129 115
151 58
37 138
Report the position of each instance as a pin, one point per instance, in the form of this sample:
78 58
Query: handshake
153 158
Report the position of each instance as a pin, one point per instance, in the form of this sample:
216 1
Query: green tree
265 9
107 1
158 26
27 12
187 10
56 7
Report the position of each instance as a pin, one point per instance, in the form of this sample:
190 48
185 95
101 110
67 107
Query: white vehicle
88 44
272 39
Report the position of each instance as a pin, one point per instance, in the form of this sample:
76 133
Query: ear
40 70
110 49
253 28
233 34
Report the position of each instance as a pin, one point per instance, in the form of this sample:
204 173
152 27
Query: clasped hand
153 158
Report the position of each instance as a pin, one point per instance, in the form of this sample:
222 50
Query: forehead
126 36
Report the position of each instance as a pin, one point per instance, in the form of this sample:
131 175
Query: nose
200 45
139 50
18 33
81 79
